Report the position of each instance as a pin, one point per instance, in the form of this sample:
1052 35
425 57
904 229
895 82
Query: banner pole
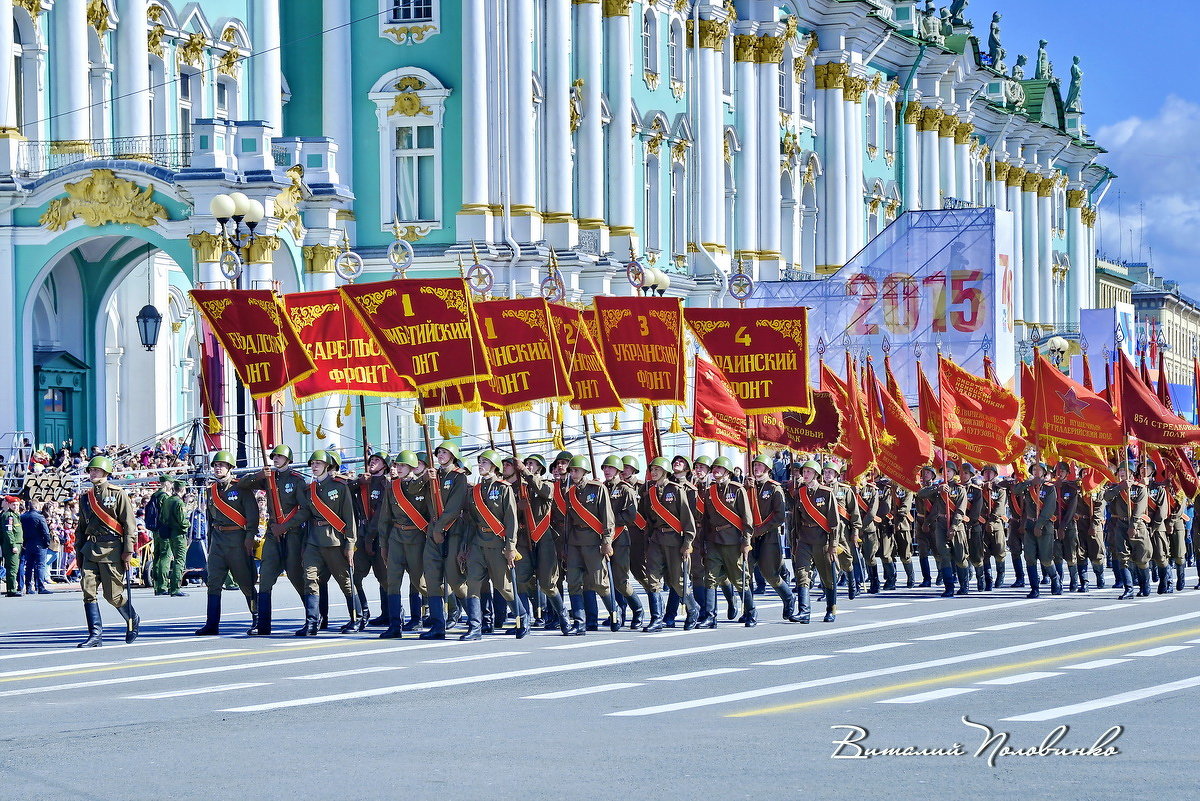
362 417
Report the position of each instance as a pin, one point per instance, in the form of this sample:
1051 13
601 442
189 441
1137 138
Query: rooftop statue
1018 70
1074 102
958 13
995 50
1043 71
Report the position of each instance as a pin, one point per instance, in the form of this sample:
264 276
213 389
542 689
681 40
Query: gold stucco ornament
102 198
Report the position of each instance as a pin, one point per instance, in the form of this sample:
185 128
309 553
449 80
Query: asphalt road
732 713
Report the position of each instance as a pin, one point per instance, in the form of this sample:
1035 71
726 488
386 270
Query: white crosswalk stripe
932 695
1109 701
220 688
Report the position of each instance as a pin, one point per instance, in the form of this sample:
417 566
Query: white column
711 143
912 160
1045 254
745 237
619 66
931 176
856 224
949 183
999 191
69 101
766 189
132 70
8 105
831 81
590 136
266 68
527 227
1013 190
556 123
1030 253
473 217
336 99
963 171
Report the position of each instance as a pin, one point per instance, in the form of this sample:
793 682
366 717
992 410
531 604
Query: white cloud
1158 164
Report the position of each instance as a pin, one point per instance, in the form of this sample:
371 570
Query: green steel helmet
409 458
613 461
282 450
812 465
494 457
335 459
537 459
101 463
951 466
632 461
681 458
384 455
581 463
450 448
995 470
323 456
423 457
564 455
834 466
928 469
225 457
763 460
703 460
662 463
723 461
166 479
970 468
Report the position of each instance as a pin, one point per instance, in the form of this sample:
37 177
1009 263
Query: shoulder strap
224 507
406 505
718 503
323 509
590 520
489 517
101 513
664 514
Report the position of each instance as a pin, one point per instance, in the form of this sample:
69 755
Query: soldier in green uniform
993 525
1176 531
1015 490
946 511
105 540
848 533
728 531
630 474
1066 536
623 498
1089 522
899 517
1158 505
329 543
171 540
870 501
589 536
1039 504
232 531
368 556
815 525
681 475
768 517
538 567
160 569
671 531
1127 514
491 545
12 539
287 511
399 528
444 574
973 522
923 524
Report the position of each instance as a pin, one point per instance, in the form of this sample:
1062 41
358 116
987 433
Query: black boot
830 612
487 614
908 574
873 588
455 613
133 622
789 604
323 607
521 613
384 618
999 582
671 610
474 610
414 606
803 608
691 611
212 624
355 610
591 610
1073 580
732 612
1125 576
262 616
1179 577
947 574
1144 581
987 577
853 588
1165 580
91 611
889 575
925 576
1098 571
437 619
578 625
395 613
1082 572
1056 587
1035 589
635 606
750 617
708 608
1019 571
312 617
964 580
701 596
979 578
654 600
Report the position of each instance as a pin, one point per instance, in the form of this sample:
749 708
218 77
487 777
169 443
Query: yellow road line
956 677
151 663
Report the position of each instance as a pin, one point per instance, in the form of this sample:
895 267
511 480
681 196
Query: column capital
947 124
1076 198
962 133
1030 184
1045 187
320 258
261 248
770 50
208 247
1089 216
617 8
745 47
1016 176
713 33
855 88
912 113
930 119
1001 170
831 75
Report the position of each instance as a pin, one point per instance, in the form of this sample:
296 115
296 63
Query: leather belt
229 528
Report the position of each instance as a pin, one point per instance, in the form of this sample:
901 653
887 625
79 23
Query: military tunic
442 568
1176 526
869 499
623 498
232 526
768 509
368 555
849 536
1066 544
992 515
945 518
330 540
728 529
1158 504
402 535
589 526
1039 503
12 539
283 551
671 528
99 547
816 529
1127 517
1089 522
539 563
492 532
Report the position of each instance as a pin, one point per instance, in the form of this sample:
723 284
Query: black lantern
149 320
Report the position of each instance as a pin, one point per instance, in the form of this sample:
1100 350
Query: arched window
889 126
653 211
650 42
785 84
189 99
872 124
679 211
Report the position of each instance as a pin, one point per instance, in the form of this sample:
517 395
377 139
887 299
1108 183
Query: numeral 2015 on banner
903 304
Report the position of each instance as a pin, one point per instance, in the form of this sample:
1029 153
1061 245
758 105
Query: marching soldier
623 498
671 532
973 523
848 533
1176 526
993 525
1158 504
105 540
284 546
491 546
923 523
12 539
589 544
329 543
728 533
170 545
538 566
630 474
444 573
870 500
768 515
400 526
369 490
947 510
1039 503
1127 513
1066 544
701 479
232 533
1089 522
900 523
816 524
1015 490
681 474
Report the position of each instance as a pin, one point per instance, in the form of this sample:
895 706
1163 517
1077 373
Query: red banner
348 360
523 354
642 343
762 352
261 343
1144 415
796 432
988 413
424 327
717 415
1066 411
902 448
855 443
591 387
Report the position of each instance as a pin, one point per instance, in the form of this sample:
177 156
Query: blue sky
1140 103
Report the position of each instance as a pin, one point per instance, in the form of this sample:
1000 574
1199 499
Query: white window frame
650 42
409 31
677 50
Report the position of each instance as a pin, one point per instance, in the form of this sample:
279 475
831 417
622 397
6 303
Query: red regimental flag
425 328
257 336
591 387
1066 411
1163 386
855 443
348 359
1144 415
642 343
989 415
935 411
717 415
1175 463
902 448
763 352
523 353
